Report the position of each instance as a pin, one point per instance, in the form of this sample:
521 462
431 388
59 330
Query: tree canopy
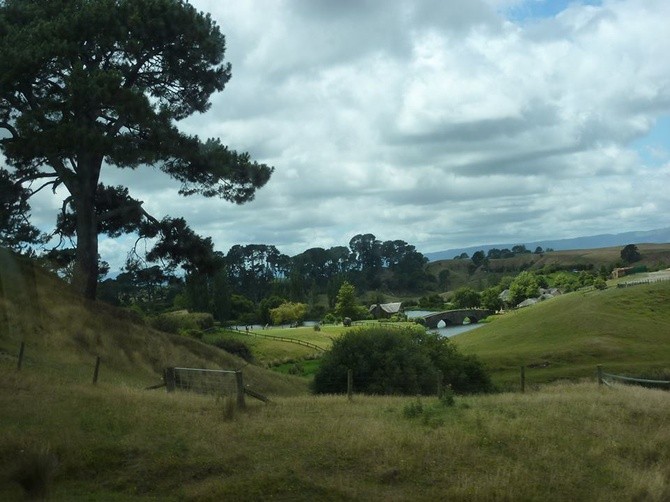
630 254
87 85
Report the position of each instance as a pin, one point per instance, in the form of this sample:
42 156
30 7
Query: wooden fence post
21 351
170 381
523 379
439 384
600 374
96 370
350 384
240 389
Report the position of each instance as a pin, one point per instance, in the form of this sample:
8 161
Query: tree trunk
85 279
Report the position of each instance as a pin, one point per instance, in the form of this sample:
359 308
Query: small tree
345 306
490 299
465 298
630 254
478 258
288 312
524 286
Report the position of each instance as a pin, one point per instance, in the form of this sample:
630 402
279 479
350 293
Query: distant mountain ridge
658 236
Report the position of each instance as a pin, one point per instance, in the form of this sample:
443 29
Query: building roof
389 308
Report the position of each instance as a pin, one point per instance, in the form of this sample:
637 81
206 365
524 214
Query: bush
182 320
329 319
235 347
388 360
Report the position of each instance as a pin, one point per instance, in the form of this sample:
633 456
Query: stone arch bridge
456 317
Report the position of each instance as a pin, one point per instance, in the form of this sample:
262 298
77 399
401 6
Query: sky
442 123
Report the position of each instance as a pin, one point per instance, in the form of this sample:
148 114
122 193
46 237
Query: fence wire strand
631 380
204 381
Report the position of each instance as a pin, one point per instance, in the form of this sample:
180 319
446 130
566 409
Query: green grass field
624 329
62 436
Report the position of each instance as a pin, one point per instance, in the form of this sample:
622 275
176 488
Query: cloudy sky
443 123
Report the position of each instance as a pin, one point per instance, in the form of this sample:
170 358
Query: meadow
624 329
109 442
566 438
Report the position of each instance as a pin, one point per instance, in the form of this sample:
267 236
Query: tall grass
565 442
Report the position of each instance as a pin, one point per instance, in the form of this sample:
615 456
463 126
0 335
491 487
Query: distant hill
657 236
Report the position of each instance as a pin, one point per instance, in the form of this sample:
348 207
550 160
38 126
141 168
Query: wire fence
29 356
282 339
203 381
610 379
642 281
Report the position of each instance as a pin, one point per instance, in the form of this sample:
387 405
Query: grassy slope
623 329
115 441
63 336
653 256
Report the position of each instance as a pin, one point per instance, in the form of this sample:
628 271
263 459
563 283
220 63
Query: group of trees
523 286
479 257
239 284
109 95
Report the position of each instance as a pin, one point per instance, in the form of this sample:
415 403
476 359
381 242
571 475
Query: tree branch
9 127
126 209
52 182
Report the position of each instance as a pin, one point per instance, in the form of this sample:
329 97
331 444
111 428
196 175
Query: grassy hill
654 257
63 335
64 437
624 329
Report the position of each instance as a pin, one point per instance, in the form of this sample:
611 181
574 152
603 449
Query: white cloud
443 124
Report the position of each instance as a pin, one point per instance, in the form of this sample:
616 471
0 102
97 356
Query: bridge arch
456 317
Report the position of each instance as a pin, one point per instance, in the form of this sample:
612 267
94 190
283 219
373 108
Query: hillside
63 336
63 437
461 273
624 329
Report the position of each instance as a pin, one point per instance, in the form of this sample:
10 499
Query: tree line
251 280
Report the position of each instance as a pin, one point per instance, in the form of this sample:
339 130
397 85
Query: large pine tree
87 85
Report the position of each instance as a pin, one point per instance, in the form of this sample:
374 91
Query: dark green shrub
182 320
384 360
599 283
204 320
389 360
447 398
